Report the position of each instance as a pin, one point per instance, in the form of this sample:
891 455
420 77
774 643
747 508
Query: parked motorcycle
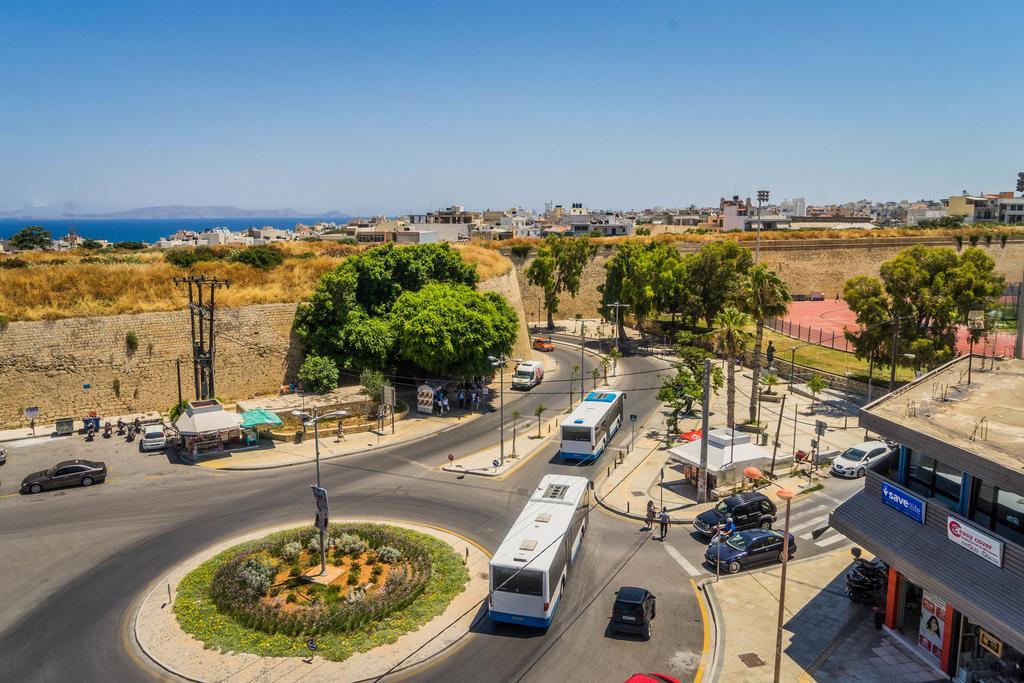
107 429
866 579
120 427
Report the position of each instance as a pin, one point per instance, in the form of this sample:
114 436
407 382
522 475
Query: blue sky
408 106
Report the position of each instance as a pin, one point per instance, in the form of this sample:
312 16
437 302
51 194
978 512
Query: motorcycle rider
725 530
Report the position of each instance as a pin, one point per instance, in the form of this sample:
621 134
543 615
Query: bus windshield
521 581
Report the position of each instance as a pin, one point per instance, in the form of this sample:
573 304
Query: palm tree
538 411
763 295
595 373
731 339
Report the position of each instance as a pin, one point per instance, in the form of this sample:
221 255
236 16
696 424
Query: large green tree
926 292
649 278
558 267
686 387
32 237
715 273
347 317
450 330
731 339
762 295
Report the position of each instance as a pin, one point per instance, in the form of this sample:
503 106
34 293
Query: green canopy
258 416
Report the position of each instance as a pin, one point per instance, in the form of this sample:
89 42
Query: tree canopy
681 391
410 306
32 237
558 267
928 291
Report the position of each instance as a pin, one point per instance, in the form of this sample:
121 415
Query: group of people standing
469 397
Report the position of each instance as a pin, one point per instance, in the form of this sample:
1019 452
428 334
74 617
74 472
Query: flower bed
258 597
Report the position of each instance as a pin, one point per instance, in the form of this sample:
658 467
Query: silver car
153 438
855 461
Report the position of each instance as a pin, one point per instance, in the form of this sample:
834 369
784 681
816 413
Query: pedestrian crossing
814 518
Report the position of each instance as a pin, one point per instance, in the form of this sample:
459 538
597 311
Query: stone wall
806 265
47 363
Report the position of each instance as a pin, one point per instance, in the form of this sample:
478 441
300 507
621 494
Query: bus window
576 434
521 581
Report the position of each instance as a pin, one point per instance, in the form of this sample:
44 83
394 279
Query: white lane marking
832 540
682 561
814 523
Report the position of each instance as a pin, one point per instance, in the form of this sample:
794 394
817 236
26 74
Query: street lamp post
762 196
617 306
499 363
314 420
786 495
583 346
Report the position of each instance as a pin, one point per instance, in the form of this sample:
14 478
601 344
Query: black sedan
67 473
633 611
748 548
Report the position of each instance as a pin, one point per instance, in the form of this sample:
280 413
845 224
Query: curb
520 461
717 647
253 468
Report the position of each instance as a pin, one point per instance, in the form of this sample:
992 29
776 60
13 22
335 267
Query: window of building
999 511
927 476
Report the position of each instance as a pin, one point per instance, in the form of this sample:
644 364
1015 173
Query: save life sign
975 540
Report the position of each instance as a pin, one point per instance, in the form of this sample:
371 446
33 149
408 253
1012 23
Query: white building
793 207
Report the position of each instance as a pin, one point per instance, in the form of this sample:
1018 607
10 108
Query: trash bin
93 422
298 437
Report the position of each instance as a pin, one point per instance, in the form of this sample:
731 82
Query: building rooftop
985 418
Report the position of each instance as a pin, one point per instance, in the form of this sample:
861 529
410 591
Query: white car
855 461
153 438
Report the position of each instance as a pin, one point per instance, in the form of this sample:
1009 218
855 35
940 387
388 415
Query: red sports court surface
825 318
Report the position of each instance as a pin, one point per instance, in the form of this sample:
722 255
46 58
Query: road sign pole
705 410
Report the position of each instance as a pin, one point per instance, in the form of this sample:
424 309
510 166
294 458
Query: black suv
633 611
748 511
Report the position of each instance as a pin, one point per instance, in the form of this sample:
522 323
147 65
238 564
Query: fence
831 339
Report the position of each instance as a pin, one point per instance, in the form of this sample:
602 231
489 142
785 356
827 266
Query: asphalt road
73 564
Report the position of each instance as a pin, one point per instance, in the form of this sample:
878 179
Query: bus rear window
576 434
523 582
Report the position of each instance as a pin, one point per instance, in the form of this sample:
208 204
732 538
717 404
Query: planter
770 398
750 429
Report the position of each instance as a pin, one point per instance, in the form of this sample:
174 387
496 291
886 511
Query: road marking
838 538
797 528
9 495
682 561
707 631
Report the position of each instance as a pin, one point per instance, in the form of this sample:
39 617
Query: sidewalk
50 429
526 445
826 637
274 454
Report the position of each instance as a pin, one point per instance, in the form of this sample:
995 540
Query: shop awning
207 422
258 417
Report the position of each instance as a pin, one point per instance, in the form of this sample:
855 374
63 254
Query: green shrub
257 573
176 410
291 551
90 244
353 578
371 381
13 262
350 544
291 598
131 341
262 257
186 257
388 554
130 245
318 374
313 545
521 250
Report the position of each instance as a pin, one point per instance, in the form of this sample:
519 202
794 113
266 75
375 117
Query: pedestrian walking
663 518
32 424
770 353
341 431
445 408
650 515
462 399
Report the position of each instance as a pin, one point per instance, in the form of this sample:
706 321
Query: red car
543 344
652 678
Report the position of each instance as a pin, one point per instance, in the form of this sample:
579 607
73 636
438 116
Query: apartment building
946 512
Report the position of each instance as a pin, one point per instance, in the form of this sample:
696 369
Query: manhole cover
751 659
638 494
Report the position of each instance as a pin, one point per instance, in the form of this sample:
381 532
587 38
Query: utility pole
617 306
177 362
788 497
895 341
705 410
201 315
1018 346
778 432
762 196
583 346
499 363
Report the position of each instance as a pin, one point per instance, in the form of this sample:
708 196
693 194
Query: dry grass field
70 285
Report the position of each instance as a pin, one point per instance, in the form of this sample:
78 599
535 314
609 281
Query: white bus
593 423
529 569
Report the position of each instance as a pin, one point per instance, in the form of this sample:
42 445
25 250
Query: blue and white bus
529 569
593 423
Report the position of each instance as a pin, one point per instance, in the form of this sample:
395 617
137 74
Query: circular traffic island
268 598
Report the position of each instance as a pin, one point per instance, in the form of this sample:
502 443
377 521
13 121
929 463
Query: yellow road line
707 632
9 495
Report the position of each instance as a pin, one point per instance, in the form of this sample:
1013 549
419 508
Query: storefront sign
990 642
975 540
929 632
907 503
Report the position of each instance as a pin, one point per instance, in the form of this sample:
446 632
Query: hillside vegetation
44 285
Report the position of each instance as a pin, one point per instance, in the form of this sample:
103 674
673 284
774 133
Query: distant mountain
176 212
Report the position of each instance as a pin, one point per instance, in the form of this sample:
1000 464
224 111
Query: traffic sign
819 427
451 457
632 418
31 413
495 463
311 644
388 395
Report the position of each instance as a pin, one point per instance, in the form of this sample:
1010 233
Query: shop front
205 426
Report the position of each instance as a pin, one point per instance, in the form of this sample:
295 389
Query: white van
528 374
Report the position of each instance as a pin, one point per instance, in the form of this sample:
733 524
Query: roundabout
419 599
